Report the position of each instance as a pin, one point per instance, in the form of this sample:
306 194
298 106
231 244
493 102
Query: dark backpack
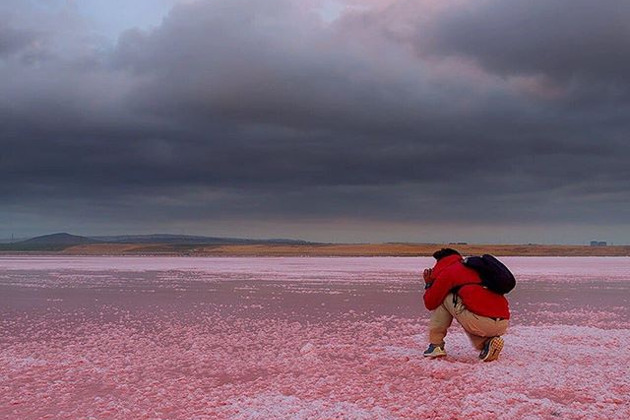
494 274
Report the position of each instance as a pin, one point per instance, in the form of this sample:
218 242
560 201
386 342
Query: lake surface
249 338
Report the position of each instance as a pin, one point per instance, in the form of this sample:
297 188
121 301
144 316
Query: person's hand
428 275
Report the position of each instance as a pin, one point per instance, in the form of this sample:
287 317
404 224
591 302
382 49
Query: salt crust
107 361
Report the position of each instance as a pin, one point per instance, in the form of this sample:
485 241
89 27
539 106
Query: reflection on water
555 290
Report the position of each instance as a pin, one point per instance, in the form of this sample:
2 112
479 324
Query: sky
489 121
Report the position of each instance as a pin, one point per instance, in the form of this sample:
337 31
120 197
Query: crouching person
453 290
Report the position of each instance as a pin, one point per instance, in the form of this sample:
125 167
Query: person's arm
427 274
436 290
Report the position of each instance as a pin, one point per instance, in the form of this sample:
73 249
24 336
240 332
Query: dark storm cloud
511 111
562 39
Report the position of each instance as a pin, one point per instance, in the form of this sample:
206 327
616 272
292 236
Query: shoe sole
496 345
434 356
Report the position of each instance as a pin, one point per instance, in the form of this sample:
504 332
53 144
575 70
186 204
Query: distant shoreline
327 250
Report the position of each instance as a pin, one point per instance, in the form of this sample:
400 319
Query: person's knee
502 327
449 299
450 304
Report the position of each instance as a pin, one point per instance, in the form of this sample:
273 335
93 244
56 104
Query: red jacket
448 273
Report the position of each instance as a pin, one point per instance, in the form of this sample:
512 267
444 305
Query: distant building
598 243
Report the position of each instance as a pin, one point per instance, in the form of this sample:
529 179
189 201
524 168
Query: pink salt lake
301 338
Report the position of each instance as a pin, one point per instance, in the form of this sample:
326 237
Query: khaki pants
477 327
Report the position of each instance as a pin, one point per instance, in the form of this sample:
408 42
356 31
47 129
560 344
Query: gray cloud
561 39
247 111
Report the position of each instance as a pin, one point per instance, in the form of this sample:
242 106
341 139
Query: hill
188 245
54 242
152 244
163 238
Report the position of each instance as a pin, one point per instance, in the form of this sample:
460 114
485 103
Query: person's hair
445 252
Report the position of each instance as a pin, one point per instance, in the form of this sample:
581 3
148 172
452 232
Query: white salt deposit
244 338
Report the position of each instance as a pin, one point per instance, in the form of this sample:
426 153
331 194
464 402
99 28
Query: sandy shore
342 250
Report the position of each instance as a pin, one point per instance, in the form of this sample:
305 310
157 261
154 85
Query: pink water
301 338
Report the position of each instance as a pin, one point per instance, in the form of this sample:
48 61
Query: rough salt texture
301 338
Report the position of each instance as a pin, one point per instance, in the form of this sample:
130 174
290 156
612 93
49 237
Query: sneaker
434 351
491 349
